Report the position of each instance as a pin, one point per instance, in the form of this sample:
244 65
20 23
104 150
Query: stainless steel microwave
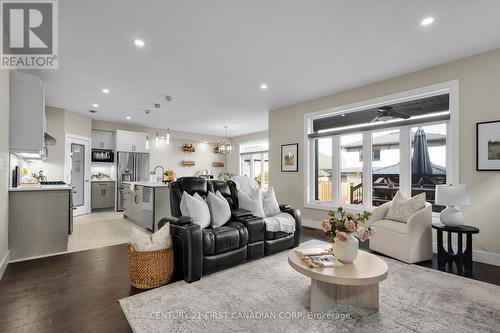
102 155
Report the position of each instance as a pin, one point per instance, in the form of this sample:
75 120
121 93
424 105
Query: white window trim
452 143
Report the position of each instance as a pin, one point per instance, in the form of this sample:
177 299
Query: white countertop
148 184
41 188
102 180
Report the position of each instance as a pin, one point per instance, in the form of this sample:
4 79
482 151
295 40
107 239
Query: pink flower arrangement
350 225
341 224
341 236
325 225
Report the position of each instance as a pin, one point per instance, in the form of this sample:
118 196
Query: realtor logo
29 34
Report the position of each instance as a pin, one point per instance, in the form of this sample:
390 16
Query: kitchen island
146 203
39 220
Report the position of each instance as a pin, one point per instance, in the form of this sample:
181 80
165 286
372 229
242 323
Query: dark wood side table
462 258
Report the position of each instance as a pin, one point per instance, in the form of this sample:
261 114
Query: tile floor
99 229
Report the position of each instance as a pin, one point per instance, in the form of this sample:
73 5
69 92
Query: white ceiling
212 56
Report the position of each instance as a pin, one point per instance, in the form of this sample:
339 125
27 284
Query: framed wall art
488 146
290 157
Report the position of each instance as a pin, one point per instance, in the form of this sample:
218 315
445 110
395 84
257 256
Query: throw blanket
280 222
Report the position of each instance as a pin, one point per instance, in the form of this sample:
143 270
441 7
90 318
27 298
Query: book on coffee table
306 252
326 261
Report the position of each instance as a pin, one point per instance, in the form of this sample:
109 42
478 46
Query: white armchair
409 242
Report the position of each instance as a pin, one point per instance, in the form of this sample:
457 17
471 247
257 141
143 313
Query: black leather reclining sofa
200 252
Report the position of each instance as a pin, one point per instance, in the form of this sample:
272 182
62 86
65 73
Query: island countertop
148 184
41 188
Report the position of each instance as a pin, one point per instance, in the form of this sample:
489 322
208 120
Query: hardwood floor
78 292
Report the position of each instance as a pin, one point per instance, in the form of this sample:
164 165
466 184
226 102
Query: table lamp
452 196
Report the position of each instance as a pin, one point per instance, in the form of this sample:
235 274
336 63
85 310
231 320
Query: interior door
78 173
77 168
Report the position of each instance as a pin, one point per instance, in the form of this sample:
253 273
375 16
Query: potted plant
344 230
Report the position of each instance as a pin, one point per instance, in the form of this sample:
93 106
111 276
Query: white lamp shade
452 195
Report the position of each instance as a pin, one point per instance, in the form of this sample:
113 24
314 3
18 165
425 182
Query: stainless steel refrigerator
131 167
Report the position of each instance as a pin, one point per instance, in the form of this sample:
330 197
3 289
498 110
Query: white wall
53 166
479 79
233 162
77 124
4 168
170 156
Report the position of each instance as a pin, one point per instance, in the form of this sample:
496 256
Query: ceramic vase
346 251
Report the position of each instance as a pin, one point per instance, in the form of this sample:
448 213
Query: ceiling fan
386 113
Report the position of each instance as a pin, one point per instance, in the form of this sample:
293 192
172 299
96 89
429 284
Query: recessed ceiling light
427 21
128 117
105 90
263 86
342 115
139 42
95 105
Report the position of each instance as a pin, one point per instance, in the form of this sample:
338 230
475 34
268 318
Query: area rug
267 295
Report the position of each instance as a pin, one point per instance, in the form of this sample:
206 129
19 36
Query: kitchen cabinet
38 221
132 202
103 195
103 140
131 141
27 112
147 204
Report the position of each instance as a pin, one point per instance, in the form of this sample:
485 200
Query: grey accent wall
479 78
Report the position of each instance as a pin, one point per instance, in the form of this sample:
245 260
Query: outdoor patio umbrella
421 162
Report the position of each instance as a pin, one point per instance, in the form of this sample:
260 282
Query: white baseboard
484 257
3 263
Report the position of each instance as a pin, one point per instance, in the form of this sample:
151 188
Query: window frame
452 146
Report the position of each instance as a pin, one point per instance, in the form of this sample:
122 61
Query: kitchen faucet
158 179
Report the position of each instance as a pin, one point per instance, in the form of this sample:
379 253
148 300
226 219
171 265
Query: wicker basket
150 269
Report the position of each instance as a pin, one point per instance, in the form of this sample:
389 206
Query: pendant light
167 139
225 146
157 139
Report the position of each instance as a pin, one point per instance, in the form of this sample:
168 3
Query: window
410 145
323 172
385 169
428 163
351 177
254 162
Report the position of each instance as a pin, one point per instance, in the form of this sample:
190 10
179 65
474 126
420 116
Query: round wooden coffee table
355 284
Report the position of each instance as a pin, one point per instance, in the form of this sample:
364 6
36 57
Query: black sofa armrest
188 247
237 213
181 220
286 208
255 226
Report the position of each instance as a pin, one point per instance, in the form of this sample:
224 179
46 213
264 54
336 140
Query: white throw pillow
140 240
252 202
161 239
195 207
269 202
219 209
402 208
